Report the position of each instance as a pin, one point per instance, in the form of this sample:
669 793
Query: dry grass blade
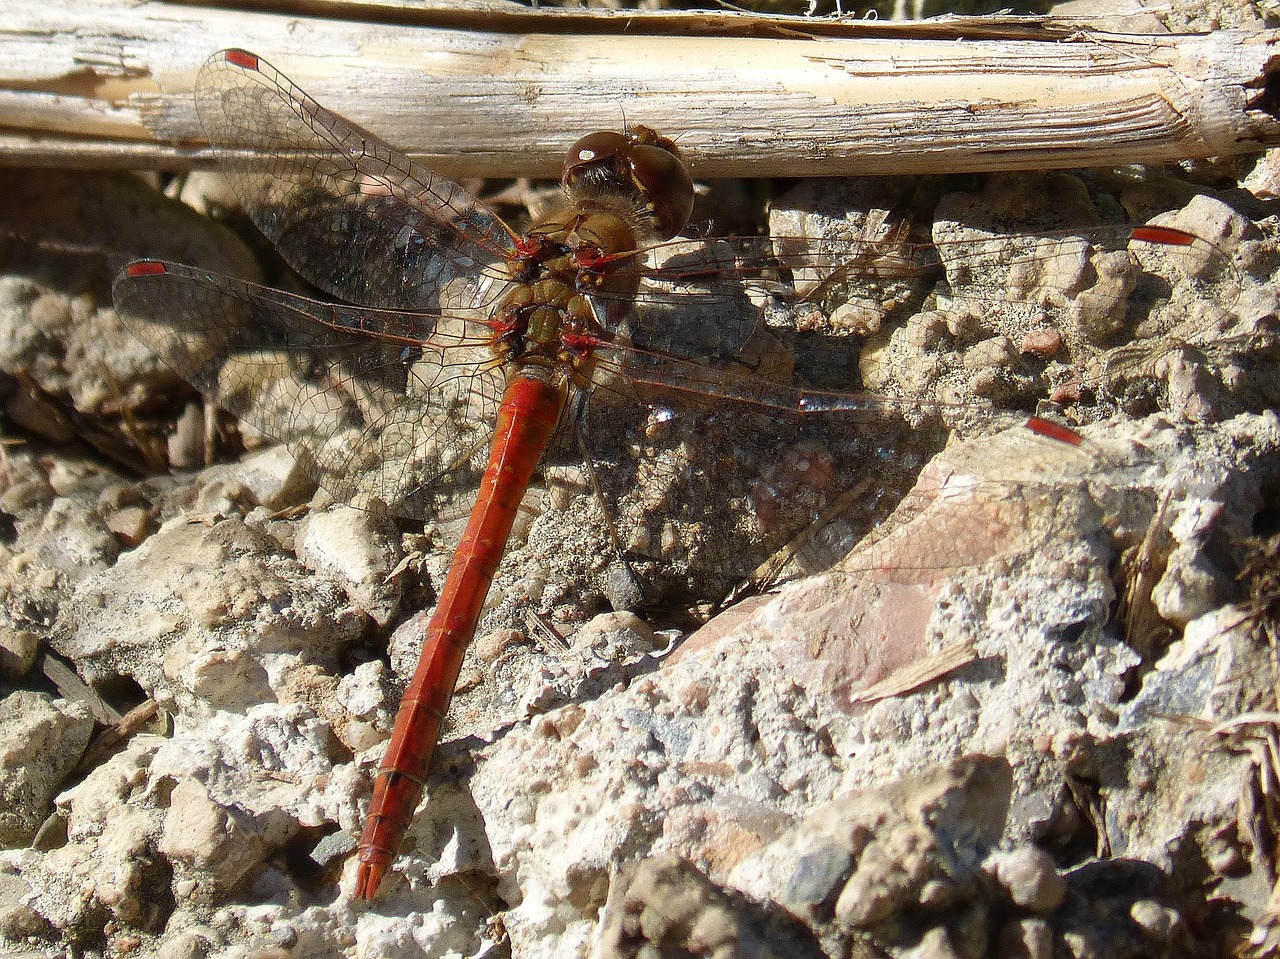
859 98
105 743
917 675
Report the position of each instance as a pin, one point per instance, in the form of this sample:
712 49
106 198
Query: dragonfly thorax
593 233
563 259
543 315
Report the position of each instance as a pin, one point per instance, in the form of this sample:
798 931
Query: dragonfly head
640 161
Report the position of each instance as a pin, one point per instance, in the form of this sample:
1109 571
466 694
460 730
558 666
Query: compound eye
604 148
666 184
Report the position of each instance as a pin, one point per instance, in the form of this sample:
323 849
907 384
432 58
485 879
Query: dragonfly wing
724 461
763 493
727 487
351 214
977 316
396 418
716 300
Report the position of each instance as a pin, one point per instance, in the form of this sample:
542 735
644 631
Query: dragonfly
454 356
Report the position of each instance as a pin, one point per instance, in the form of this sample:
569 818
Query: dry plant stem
918 674
98 83
72 687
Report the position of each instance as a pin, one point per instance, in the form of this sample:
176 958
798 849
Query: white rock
41 740
207 616
1030 877
272 477
219 844
358 549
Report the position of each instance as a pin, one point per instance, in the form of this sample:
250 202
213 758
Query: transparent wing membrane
398 421
353 216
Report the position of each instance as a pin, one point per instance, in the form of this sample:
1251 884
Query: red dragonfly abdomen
531 408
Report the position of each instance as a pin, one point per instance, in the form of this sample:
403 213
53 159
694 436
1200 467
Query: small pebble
1030 877
1025 939
1044 342
1157 922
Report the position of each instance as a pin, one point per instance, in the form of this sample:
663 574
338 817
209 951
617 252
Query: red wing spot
145 268
1163 234
1054 431
242 59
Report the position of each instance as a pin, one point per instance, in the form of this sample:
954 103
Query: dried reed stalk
488 89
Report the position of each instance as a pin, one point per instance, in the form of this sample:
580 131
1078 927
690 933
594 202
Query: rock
201 614
18 921
18 648
106 870
862 858
129 525
43 740
358 548
666 907
74 540
272 478
183 945
219 844
1025 939
1030 877
508 680
1159 922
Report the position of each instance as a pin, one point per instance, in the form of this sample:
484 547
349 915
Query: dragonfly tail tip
368 879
